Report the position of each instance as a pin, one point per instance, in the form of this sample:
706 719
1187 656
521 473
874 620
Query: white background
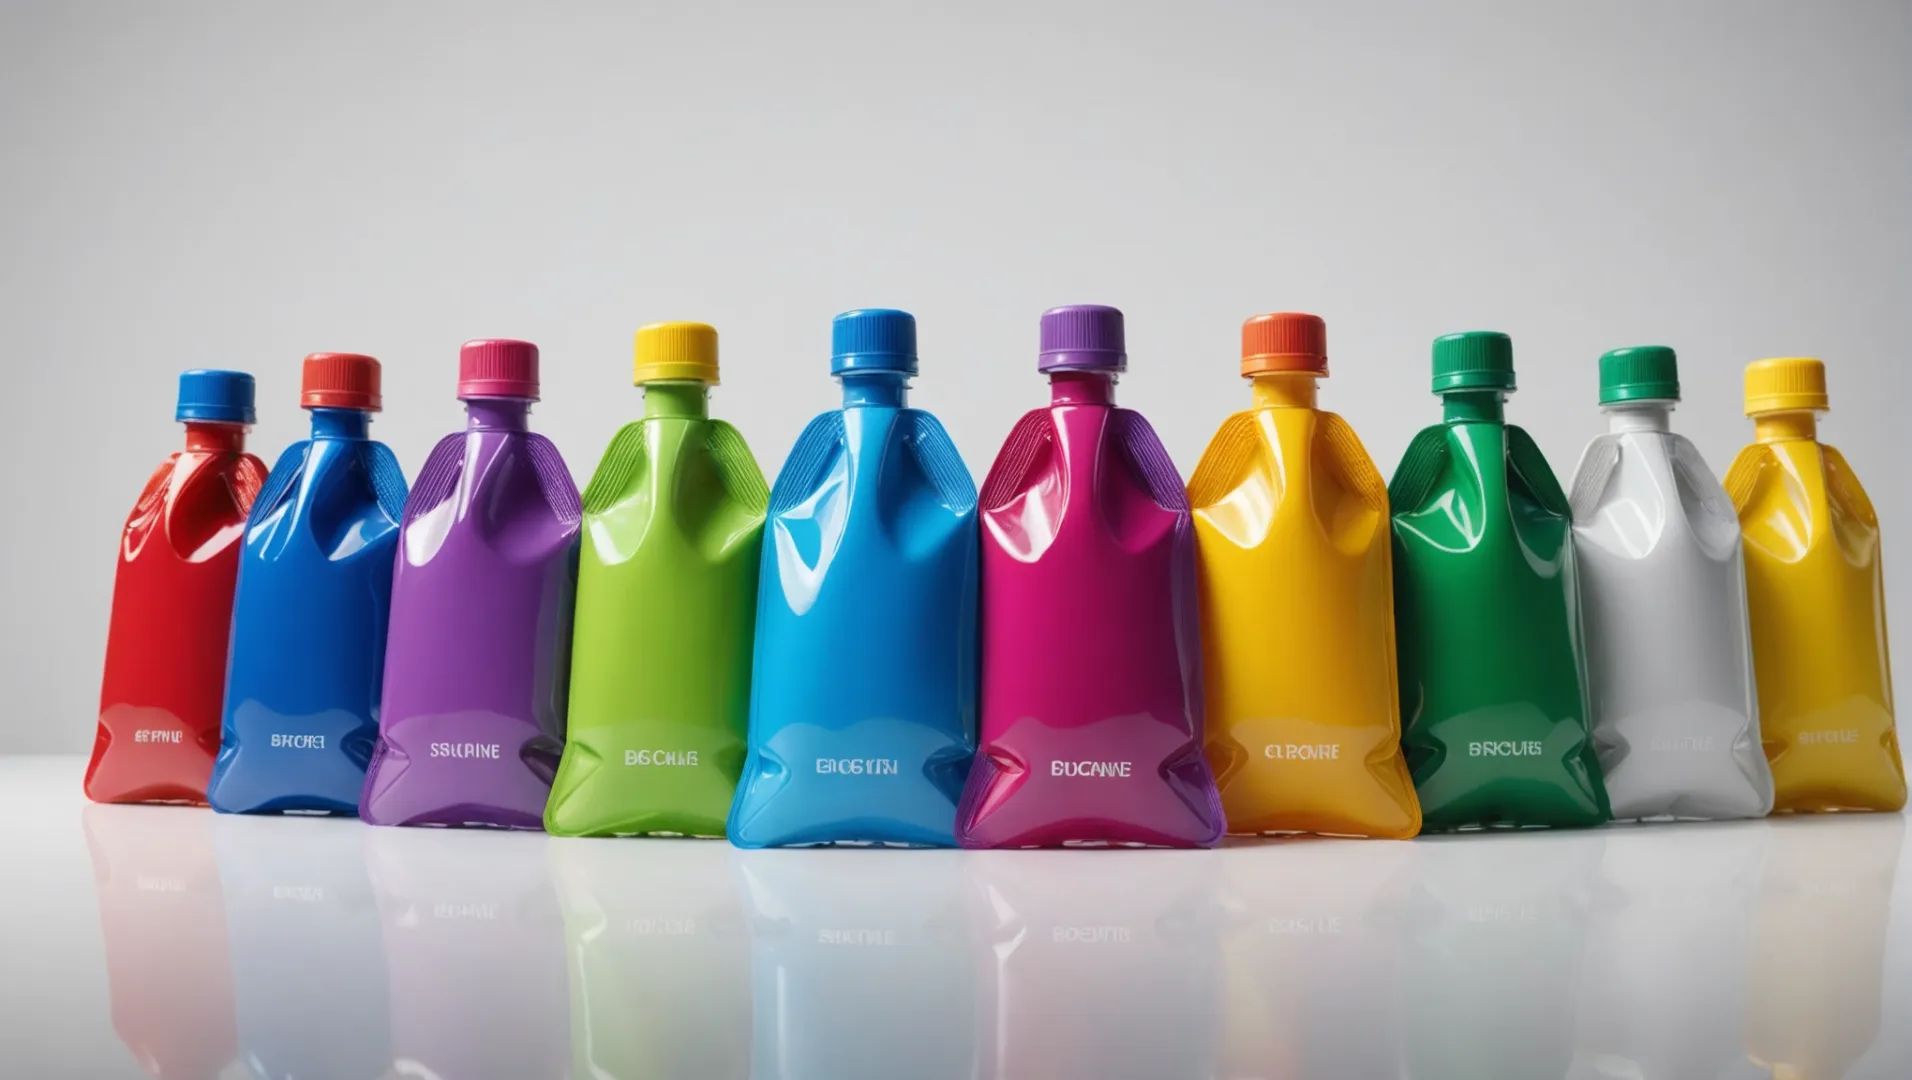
236 185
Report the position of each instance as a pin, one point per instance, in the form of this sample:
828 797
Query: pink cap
498 367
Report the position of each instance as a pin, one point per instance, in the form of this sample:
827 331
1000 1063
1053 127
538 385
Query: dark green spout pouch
1492 668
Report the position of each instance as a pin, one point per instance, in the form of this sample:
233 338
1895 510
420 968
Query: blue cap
215 397
873 339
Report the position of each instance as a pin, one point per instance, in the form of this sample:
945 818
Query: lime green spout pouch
666 611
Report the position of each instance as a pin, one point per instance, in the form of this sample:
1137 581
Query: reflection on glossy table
178 943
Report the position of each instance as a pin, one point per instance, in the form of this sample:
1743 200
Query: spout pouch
1816 594
1488 632
863 695
308 631
1304 732
661 646
479 654
1669 659
165 675
1091 696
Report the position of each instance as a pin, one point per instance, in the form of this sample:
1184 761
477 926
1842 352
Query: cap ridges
873 339
212 396
1474 360
1639 373
1284 341
1083 337
498 368
332 380
675 352
1785 384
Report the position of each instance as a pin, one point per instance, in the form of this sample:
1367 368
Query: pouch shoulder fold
1136 438
1335 436
1019 454
1228 455
1526 463
936 452
623 463
809 462
1419 469
388 480
1692 467
439 477
737 467
560 491
280 482
1598 462
1843 487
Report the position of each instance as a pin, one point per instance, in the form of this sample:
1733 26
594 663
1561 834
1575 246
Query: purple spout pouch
478 654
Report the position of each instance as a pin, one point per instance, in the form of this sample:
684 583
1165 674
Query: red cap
498 367
1284 341
340 380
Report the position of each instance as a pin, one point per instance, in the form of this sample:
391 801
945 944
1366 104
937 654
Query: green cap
1641 373
1476 360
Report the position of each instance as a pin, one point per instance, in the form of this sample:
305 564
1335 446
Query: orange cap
340 380
1284 341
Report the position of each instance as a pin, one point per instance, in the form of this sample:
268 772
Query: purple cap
1082 337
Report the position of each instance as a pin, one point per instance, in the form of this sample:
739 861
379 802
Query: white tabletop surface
179 943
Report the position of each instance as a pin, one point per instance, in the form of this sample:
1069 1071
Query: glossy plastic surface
1310 951
308 625
1663 597
308 965
863 700
172 619
1822 930
1496 935
163 921
474 955
857 972
659 960
1091 724
1297 602
1110 968
1671 926
667 596
478 658
1488 629
1817 598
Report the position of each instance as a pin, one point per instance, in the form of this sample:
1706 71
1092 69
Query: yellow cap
676 352
1786 384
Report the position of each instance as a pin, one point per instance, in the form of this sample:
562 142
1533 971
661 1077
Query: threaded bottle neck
1081 388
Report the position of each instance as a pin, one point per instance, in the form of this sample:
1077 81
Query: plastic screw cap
1475 360
498 368
338 380
1083 337
873 339
1785 384
215 397
676 352
1284 341
1640 373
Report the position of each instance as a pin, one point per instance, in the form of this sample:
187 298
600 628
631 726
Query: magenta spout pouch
1091 717
478 654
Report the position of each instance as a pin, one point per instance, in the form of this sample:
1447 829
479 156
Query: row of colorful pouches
684 651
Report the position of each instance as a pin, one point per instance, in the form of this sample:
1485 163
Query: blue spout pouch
311 608
863 694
